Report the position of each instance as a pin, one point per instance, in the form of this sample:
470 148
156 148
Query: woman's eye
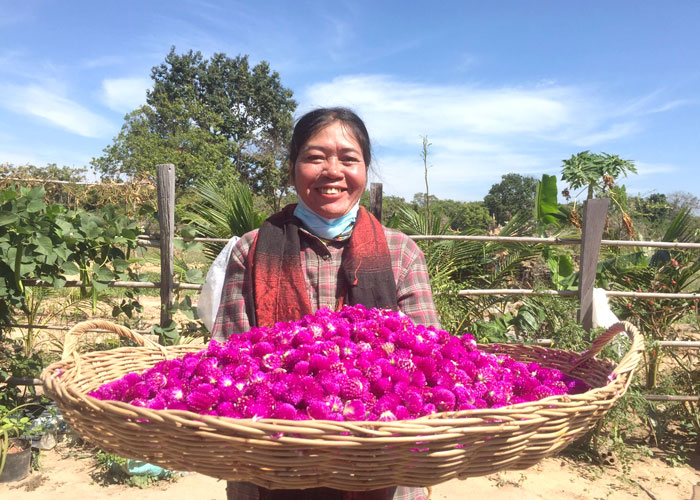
349 159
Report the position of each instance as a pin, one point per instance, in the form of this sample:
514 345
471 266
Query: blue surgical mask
328 229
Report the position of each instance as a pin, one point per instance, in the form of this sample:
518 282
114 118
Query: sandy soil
67 474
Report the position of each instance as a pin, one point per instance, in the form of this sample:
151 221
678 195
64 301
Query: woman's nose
332 167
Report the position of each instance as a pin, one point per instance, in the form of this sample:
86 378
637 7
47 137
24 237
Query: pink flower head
261 348
318 362
400 375
334 404
155 380
387 402
139 390
271 361
157 403
386 367
354 410
402 413
428 409
381 386
577 386
351 388
173 394
228 409
132 379
258 410
406 364
443 399
387 416
317 410
303 337
413 401
285 411
202 398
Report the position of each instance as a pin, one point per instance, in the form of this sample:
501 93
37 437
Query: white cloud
124 94
54 108
645 168
615 131
477 133
399 110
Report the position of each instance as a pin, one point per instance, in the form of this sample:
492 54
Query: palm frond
224 211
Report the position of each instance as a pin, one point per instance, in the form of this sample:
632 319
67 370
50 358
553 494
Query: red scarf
279 286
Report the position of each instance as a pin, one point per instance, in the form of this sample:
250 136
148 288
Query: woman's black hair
315 120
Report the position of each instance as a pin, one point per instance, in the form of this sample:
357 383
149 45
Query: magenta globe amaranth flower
353 364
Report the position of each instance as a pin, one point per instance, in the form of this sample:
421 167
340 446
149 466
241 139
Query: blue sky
497 87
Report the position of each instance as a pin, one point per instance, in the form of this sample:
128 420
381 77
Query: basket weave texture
351 456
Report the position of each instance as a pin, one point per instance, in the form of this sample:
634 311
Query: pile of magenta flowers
353 364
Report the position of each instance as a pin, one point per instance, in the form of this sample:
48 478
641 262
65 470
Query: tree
596 172
214 118
463 216
419 201
50 172
424 157
681 199
515 193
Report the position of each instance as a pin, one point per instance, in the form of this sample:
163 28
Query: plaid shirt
321 262
321 265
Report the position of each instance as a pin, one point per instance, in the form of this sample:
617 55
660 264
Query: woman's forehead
334 134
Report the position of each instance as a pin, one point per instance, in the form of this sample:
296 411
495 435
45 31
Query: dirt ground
67 474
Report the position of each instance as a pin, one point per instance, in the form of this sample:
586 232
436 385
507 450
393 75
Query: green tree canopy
515 193
596 172
213 118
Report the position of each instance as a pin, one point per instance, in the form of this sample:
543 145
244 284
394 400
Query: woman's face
330 172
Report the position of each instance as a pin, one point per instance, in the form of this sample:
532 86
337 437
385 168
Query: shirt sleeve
234 314
413 291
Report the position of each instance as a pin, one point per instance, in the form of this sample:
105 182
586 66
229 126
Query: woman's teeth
329 190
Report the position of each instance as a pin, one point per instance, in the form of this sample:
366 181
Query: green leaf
194 276
104 274
188 232
566 265
70 268
120 265
35 206
546 205
45 244
62 252
7 218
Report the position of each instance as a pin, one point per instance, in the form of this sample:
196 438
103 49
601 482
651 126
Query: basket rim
48 377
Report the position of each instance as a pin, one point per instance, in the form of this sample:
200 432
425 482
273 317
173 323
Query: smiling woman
329 157
330 173
326 251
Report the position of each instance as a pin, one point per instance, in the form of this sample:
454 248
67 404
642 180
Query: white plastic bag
210 296
602 314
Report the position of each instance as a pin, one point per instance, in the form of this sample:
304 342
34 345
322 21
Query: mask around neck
328 229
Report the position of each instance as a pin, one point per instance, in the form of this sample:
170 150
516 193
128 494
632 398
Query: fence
593 223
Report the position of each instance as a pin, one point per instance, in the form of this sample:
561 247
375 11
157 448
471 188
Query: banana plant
553 219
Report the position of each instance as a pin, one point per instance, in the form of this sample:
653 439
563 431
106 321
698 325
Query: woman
325 251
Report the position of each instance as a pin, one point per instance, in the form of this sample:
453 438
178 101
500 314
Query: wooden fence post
375 200
166 220
594 214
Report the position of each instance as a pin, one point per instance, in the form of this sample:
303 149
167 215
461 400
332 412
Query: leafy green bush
46 242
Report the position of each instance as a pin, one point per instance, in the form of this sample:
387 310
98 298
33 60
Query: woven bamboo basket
351 456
